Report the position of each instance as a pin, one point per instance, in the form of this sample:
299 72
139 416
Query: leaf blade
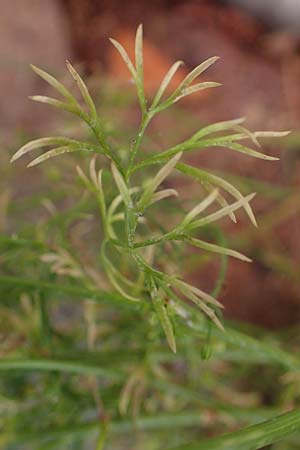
201 176
165 82
40 143
221 213
198 71
56 152
119 180
125 57
217 249
74 109
84 91
253 437
54 83
162 314
157 180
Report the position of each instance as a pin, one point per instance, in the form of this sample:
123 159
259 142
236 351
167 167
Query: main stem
144 123
130 213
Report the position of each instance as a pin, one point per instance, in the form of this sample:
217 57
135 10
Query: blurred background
259 45
49 231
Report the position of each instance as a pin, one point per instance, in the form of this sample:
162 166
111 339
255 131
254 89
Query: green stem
221 240
99 134
144 124
102 436
172 235
44 325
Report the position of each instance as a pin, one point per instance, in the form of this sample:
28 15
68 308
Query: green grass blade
70 290
58 365
253 437
161 421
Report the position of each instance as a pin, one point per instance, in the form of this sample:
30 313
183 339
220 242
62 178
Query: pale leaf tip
251 196
32 163
219 325
245 258
252 217
33 67
273 158
14 157
216 84
70 66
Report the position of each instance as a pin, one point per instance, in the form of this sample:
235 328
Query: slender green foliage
133 203
254 437
126 187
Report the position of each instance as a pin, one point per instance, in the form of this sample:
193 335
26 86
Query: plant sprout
125 218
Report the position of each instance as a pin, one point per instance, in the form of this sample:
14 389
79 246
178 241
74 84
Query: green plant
133 255
131 205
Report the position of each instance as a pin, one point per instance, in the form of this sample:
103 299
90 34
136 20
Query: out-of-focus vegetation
82 367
